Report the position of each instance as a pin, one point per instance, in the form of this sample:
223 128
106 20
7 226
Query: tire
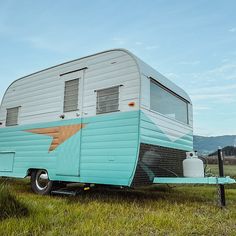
40 182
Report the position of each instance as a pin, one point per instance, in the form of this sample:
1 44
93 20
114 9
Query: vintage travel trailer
107 118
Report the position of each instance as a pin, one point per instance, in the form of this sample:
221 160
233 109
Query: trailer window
12 116
71 93
107 100
167 103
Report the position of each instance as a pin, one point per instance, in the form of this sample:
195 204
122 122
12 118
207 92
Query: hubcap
42 180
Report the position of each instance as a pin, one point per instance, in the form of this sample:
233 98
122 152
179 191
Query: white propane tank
193 166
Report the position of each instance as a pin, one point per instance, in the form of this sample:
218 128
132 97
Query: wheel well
30 171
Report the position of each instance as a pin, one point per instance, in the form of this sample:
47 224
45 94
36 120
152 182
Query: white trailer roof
144 69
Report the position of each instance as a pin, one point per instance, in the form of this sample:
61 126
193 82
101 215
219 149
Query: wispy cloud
223 98
138 43
232 30
172 75
202 131
152 47
224 60
224 94
48 43
224 69
191 63
120 41
198 109
219 76
38 42
201 108
215 89
3 29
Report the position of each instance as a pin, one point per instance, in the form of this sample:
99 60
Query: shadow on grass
10 206
142 196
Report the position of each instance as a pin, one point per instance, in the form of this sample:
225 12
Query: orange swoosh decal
59 134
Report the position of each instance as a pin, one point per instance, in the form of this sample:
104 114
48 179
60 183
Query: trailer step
64 192
68 192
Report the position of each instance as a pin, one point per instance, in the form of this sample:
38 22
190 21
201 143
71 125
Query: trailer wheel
40 182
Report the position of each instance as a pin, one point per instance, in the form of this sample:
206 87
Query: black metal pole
221 174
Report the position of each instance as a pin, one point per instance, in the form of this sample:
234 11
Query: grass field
159 210
230 170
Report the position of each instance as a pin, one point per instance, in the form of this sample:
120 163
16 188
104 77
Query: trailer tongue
187 180
220 181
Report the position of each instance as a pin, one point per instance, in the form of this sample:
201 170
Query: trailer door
68 153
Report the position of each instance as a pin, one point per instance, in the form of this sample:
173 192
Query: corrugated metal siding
108 154
148 71
116 71
109 142
109 148
159 130
41 95
30 150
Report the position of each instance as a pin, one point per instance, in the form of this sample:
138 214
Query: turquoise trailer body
104 151
95 120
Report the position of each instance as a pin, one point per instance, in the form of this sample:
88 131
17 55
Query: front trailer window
167 103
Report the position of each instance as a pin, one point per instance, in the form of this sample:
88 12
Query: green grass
229 170
159 210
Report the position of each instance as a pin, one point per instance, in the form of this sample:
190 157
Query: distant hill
207 145
228 151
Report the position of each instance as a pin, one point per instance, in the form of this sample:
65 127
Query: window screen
12 116
107 100
71 95
167 103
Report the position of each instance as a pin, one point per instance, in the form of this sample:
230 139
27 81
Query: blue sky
191 42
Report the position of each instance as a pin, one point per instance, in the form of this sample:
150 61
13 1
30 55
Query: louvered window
107 100
71 95
12 116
